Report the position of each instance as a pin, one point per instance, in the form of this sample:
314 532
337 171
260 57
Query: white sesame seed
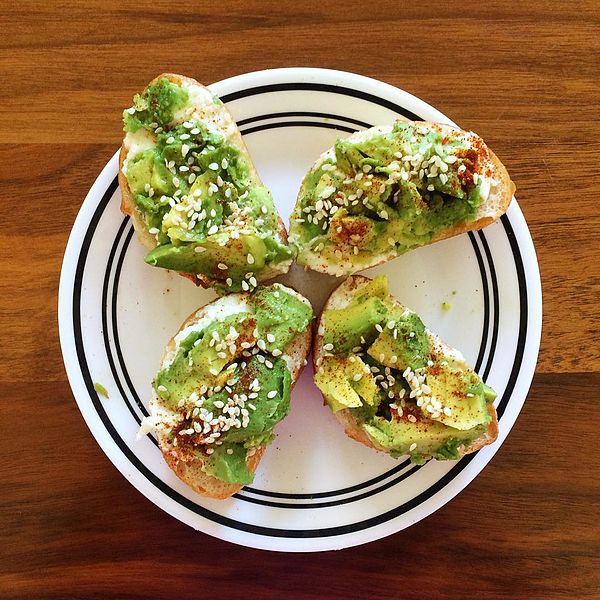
412 447
357 376
250 259
213 166
161 388
272 394
222 266
153 230
213 230
270 338
199 249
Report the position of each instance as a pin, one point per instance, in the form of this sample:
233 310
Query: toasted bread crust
491 210
190 471
352 426
129 207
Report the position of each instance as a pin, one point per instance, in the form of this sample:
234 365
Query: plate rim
73 368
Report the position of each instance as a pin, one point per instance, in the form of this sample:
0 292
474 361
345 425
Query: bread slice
189 466
500 195
339 299
218 118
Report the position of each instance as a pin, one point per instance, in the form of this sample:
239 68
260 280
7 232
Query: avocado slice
197 361
431 437
233 254
332 381
279 316
346 383
351 326
403 345
459 388
139 170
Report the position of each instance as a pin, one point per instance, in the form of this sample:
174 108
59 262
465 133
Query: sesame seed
412 447
357 376
229 451
184 149
412 418
222 266
153 230
213 230
272 394
213 166
199 249
250 259
271 338
161 388
277 352
379 327
329 347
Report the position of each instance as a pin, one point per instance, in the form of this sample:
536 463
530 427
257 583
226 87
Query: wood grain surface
524 75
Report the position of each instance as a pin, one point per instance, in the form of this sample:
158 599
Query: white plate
315 489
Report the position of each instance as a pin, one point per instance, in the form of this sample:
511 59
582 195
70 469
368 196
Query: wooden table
524 75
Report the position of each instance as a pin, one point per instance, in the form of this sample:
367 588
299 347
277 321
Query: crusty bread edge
191 472
352 427
129 207
503 193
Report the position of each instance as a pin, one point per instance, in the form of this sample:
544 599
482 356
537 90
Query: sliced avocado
233 255
345 383
162 179
355 230
377 288
406 341
331 379
365 387
398 436
280 316
139 170
268 411
345 327
228 463
458 387
197 362
205 355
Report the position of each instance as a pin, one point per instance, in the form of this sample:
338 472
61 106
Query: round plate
315 488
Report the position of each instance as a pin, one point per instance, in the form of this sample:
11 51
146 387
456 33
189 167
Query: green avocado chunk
280 316
349 327
430 438
459 389
403 343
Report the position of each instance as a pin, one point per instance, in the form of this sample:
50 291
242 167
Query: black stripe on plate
321 87
302 113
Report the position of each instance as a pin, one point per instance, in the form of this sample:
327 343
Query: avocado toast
389 189
194 196
224 382
393 384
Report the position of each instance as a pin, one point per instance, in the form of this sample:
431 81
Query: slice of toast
189 466
497 202
353 427
219 119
